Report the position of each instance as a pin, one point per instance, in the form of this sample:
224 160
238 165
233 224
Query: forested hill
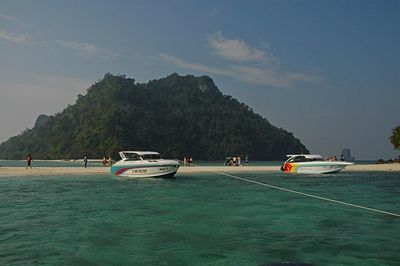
177 116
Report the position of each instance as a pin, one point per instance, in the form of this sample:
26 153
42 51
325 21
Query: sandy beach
22 171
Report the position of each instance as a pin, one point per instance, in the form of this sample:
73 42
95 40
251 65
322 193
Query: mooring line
309 195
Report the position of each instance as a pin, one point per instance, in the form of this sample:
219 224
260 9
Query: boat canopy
139 155
308 156
304 158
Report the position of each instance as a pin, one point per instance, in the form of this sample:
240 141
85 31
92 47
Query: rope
309 195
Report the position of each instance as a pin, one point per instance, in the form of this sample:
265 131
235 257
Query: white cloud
239 51
251 74
256 75
87 49
10 18
197 67
14 37
271 77
246 63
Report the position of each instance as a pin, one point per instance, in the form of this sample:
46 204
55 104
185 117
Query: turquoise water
198 219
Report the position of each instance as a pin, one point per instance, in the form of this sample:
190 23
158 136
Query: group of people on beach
187 161
332 158
233 161
107 161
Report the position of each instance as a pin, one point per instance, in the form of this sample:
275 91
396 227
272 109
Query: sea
200 219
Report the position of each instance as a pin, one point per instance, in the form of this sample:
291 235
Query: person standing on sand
29 161
85 159
109 161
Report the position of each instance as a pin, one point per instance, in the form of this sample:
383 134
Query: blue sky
328 71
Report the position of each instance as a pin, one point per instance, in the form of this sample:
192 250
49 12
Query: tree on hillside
177 116
395 138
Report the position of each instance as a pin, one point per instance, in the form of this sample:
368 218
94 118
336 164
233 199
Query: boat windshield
153 156
132 157
300 159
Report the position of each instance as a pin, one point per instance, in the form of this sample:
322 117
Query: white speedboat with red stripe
144 164
312 164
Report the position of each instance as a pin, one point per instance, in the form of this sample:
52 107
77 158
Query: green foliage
395 138
177 116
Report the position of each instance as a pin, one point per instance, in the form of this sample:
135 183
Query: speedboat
144 164
312 164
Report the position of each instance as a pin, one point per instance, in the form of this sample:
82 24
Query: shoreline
45 171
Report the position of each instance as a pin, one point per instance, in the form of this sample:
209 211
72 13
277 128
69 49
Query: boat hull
143 171
315 168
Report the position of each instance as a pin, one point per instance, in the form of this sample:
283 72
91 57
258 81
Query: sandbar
387 167
38 171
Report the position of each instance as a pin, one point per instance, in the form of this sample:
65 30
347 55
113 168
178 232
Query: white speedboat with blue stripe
144 164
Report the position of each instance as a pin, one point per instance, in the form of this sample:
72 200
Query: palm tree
395 138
